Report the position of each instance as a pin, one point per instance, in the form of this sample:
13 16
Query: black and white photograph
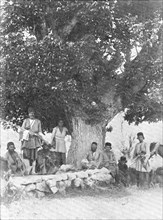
81 110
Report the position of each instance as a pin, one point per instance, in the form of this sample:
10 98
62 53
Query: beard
11 151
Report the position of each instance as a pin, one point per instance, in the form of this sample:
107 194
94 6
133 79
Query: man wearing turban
31 139
14 162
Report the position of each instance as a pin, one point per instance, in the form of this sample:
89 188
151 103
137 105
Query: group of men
120 171
47 161
48 158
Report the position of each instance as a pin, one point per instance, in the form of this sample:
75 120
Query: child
123 171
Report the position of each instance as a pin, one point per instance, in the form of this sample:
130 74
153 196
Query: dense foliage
62 56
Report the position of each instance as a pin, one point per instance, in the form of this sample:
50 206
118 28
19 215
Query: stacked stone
40 185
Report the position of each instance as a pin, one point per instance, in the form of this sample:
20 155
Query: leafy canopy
63 56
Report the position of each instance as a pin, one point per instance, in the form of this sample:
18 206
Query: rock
42 187
60 177
30 187
64 176
14 182
66 167
51 183
104 170
61 187
78 182
91 172
102 177
40 194
30 194
96 170
54 189
62 191
67 183
89 182
82 174
48 177
61 184
71 176
3 186
25 180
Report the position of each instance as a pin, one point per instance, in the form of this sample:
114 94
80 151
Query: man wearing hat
14 162
31 139
141 154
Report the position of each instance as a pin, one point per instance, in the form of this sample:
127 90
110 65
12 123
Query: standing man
58 142
31 131
141 155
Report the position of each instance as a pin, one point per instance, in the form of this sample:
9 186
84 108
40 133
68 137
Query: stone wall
42 185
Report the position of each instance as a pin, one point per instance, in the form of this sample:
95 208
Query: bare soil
130 203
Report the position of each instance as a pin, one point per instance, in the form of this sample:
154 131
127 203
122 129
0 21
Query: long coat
33 141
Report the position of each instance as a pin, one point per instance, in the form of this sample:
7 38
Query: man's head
140 136
123 160
60 123
10 146
93 146
108 146
31 112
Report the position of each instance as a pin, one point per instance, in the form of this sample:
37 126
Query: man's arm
100 159
67 132
53 135
39 127
134 153
113 158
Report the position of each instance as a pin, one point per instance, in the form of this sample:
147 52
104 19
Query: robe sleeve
39 127
113 158
6 156
24 124
100 159
66 131
147 149
134 153
17 155
53 135
86 156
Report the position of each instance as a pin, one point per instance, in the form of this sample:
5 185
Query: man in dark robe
123 171
46 161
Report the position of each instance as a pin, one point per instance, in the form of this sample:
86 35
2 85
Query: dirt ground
124 204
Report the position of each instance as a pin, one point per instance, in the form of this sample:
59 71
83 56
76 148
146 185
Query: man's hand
31 133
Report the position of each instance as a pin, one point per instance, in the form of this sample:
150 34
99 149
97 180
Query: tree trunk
83 136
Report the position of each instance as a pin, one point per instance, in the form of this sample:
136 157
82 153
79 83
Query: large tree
84 62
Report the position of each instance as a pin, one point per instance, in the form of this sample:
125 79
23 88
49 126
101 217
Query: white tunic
60 139
139 165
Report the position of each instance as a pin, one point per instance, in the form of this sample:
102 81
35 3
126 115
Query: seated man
108 159
93 158
15 164
46 161
123 171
